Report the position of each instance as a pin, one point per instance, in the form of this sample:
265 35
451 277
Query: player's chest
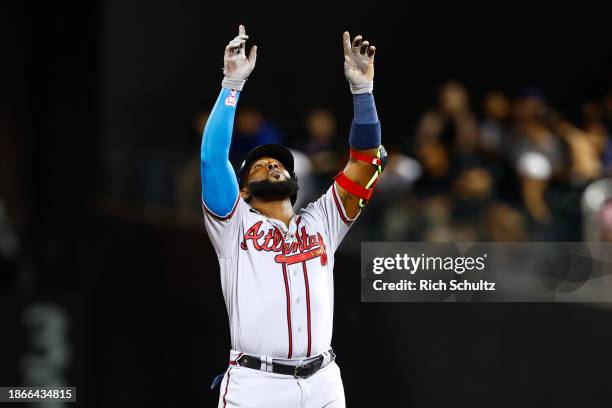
268 239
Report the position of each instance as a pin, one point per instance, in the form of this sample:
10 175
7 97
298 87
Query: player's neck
279 209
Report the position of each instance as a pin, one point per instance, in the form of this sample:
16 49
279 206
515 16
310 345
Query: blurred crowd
515 171
508 169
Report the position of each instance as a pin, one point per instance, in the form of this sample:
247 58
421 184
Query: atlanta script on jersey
277 281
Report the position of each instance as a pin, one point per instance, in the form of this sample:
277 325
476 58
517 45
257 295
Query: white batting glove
236 66
358 63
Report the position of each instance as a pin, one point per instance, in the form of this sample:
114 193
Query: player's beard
273 190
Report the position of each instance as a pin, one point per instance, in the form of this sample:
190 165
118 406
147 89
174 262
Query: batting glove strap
364 87
232 83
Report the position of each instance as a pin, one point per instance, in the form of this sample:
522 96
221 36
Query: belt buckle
295 373
297 367
311 364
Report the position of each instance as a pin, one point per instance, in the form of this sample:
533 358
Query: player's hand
358 63
236 65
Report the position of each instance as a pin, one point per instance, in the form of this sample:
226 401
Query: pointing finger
346 42
241 30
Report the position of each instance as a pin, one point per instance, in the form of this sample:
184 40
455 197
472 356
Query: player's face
267 168
269 180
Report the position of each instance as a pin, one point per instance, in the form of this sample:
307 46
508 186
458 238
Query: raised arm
357 178
219 184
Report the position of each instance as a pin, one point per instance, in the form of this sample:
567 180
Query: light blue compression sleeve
219 184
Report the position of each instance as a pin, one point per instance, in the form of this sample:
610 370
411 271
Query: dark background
147 324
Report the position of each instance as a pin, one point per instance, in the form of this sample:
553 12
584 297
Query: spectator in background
502 223
251 130
471 193
581 165
534 171
320 146
594 124
445 137
494 144
532 130
600 138
460 131
584 154
536 152
433 155
494 127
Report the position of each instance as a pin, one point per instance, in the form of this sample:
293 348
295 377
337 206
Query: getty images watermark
486 272
413 264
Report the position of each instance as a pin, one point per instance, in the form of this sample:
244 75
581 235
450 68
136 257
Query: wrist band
232 83
364 87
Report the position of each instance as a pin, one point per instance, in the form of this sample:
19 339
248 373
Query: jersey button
297 300
299 329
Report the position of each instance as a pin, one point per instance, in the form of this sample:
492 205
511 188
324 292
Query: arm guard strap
364 193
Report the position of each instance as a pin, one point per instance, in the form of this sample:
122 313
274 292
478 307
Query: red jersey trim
226 387
340 207
288 296
304 257
305 270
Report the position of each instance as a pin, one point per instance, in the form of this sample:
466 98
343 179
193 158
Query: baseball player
277 265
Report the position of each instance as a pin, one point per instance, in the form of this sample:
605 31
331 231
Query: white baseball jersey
277 281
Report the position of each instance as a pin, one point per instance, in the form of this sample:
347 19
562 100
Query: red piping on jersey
226 387
227 217
288 296
305 271
340 210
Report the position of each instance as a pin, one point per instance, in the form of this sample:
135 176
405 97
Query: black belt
297 371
